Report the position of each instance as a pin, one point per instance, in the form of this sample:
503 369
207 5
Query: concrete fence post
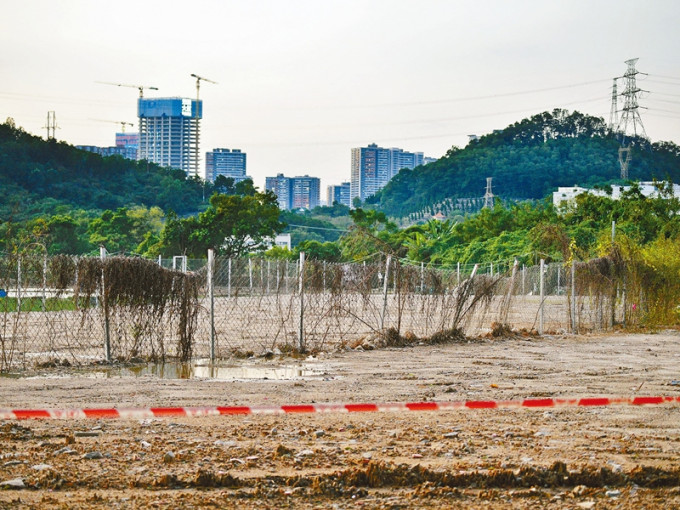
229 279
573 296
250 274
385 284
18 284
301 332
542 294
44 284
211 299
105 306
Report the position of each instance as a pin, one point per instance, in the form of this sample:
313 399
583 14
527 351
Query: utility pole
197 119
488 196
51 125
630 125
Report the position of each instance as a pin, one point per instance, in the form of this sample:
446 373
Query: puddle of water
199 370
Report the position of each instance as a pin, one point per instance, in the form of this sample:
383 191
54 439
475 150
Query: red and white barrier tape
164 412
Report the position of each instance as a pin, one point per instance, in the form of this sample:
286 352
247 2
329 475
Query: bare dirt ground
620 457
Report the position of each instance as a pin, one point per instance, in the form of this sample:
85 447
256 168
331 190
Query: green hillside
527 160
39 177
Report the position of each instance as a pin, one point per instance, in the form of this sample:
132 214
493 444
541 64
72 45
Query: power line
318 228
666 77
477 98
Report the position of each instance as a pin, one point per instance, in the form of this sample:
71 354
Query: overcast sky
301 82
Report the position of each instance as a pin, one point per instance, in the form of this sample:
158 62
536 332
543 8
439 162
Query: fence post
160 261
457 273
229 278
541 286
269 267
385 283
18 284
623 300
250 273
422 276
573 296
105 304
324 276
301 332
44 283
524 279
211 299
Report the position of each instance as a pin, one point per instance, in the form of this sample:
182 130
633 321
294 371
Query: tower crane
121 122
198 87
141 96
139 87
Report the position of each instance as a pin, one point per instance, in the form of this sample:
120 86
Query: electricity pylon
630 125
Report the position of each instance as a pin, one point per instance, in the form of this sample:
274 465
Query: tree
371 233
233 225
224 185
314 250
63 236
124 229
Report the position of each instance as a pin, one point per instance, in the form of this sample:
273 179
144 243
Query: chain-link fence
79 310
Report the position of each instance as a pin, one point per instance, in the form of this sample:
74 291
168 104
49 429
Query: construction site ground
620 456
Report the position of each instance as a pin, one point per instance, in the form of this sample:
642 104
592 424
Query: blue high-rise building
169 132
373 167
339 193
295 192
229 163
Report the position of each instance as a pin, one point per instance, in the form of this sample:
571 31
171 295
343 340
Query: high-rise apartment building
373 167
306 192
295 192
168 131
339 193
129 142
229 163
281 186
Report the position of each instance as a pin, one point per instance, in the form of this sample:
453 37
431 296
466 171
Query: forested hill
528 160
39 177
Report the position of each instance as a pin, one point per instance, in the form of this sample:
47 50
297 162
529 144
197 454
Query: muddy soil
605 457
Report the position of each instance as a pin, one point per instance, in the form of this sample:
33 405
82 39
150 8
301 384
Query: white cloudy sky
301 82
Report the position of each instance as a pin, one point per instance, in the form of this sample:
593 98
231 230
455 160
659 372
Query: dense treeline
527 231
527 160
39 177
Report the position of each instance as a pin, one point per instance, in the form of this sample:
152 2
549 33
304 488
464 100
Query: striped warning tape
165 412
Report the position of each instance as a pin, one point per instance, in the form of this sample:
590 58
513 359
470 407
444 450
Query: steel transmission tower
630 125
488 196
614 112
51 125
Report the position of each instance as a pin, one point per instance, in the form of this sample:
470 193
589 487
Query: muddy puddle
195 370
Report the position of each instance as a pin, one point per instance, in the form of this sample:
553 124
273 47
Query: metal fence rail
71 310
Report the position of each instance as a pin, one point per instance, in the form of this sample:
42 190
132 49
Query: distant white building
567 194
281 240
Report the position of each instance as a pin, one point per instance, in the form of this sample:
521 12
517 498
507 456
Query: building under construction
169 130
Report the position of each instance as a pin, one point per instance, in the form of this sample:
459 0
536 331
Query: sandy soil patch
608 457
